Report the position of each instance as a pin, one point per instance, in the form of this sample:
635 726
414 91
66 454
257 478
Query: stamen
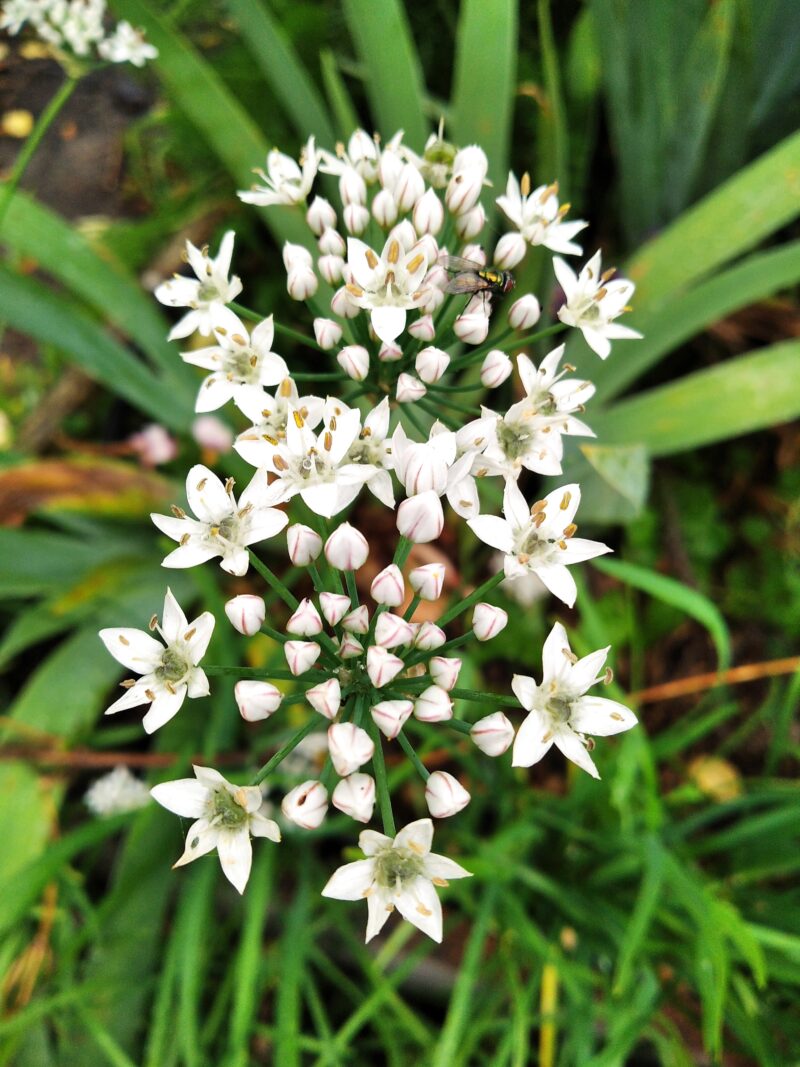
415 263
153 624
525 184
393 255
201 485
371 258
565 500
179 513
123 640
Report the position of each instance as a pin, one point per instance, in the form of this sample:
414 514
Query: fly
470 277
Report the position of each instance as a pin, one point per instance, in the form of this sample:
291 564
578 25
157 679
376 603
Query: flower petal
351 881
574 749
534 739
601 717
235 856
165 706
185 797
134 649
420 905
418 836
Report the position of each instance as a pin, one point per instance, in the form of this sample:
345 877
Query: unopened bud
331 243
420 518
470 223
301 655
444 671
296 256
246 613
305 622
256 700
326 697
427 581
428 215
301 283
444 795
334 606
346 549
352 187
472 327
433 705
409 389
391 631
524 312
320 215
409 187
327 332
509 251
350 647
390 715
355 796
357 621
423 328
382 666
304 544
356 219
463 191
493 734
332 268
388 586
389 352
384 209
350 747
496 368
343 305
354 361
488 621
306 804
429 636
431 363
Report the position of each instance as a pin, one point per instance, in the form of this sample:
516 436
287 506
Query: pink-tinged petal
203 627
235 856
189 556
217 389
370 842
388 322
197 684
525 690
420 905
261 826
559 581
493 531
378 911
418 836
534 739
574 749
185 797
437 866
134 649
200 840
555 655
206 495
173 621
133 697
351 881
601 717
165 707
515 507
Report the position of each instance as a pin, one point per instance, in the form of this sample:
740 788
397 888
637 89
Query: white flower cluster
393 416
78 26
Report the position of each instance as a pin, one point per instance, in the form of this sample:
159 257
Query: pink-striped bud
320 216
510 250
475 254
432 298
493 734
429 636
384 209
354 361
301 283
256 700
444 795
495 369
420 518
352 187
304 544
444 671
428 214
427 581
433 705
524 312
355 796
405 233
357 621
296 256
306 804
409 187
388 587
331 243
488 621
382 666
463 191
332 270
392 630
389 352
423 328
470 223
431 363
334 606
472 327
246 613
390 715
350 747
301 655
346 549
305 622
326 697
327 332
350 647
356 219
409 389
343 305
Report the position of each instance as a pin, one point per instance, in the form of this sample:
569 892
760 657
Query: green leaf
677 595
25 819
395 85
624 468
485 80
338 97
735 397
642 914
280 65
36 561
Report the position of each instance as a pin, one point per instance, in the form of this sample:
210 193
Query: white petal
493 531
351 881
417 836
601 717
197 684
574 749
235 856
378 911
388 322
437 866
134 649
133 697
189 555
370 842
533 740
217 389
422 907
556 665
583 674
203 627
206 495
515 507
524 689
261 826
559 581
185 797
173 621
200 840
164 707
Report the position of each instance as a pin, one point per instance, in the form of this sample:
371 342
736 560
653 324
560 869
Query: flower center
560 708
173 666
207 292
226 810
395 868
514 438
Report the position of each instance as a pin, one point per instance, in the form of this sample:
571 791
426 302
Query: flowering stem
436 388
459 725
402 552
352 589
408 748
485 698
287 331
412 607
262 673
412 418
381 781
43 123
282 753
473 598
273 581
448 403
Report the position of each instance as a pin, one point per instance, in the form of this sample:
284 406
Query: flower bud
356 219
472 158
444 671
212 433
409 389
390 715
355 796
422 328
331 268
325 697
433 705
256 700
301 283
246 613
389 166
509 251
391 631
304 544
420 518
320 215
463 191
357 621
296 256
429 636
428 214
301 655
389 352
406 235
342 303
493 734
470 223
334 606
352 187
346 549
427 581
495 369
331 243
354 361
382 666
327 332
431 363
305 622
524 312
472 327
409 187
384 209
350 747
350 647
306 804
388 587
488 621
432 298
444 795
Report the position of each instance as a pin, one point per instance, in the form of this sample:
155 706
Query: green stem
282 753
27 151
457 642
485 698
286 331
406 410
381 780
350 580
263 674
273 581
408 748
412 607
459 725
473 598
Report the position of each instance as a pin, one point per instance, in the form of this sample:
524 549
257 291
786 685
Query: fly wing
468 281
457 265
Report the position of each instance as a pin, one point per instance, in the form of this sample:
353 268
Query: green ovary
397 865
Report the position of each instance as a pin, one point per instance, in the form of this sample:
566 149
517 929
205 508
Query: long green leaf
383 40
738 396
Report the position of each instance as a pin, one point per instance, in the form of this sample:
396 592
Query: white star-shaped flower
538 216
206 294
269 415
222 527
540 539
560 713
399 873
372 448
284 182
226 817
593 302
169 671
388 287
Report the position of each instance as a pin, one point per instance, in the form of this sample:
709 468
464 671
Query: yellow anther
298 420
190 634
415 263
565 500
201 485
393 254
123 640
525 184
371 258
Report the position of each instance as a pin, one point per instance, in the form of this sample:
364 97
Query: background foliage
650 918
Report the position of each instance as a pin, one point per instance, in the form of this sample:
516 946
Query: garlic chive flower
206 293
593 301
388 287
285 182
538 216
